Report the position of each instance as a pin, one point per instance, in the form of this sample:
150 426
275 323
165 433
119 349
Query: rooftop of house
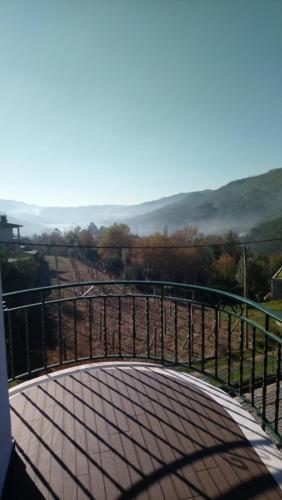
278 274
4 222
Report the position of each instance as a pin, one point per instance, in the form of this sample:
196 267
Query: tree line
142 258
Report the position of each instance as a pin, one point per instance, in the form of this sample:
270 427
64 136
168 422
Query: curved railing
229 339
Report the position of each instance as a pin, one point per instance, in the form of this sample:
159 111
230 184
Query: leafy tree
118 235
225 270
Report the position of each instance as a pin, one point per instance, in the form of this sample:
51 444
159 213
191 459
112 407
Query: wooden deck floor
129 432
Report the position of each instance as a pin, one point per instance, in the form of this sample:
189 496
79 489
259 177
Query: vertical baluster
43 329
27 344
11 346
100 325
192 330
93 317
229 353
241 359
148 326
265 363
203 339
60 332
75 329
133 327
175 333
216 343
105 327
190 334
90 323
253 373
119 327
277 395
162 323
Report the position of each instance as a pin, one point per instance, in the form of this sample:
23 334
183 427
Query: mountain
239 205
104 214
36 219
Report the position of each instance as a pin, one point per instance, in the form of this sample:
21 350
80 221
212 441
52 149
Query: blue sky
123 101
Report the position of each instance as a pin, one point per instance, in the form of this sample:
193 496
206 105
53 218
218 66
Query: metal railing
229 339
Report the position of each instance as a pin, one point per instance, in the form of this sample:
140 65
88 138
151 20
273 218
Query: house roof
276 275
9 224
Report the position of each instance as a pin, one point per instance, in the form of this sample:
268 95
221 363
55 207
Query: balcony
171 408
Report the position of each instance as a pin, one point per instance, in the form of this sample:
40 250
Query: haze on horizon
121 101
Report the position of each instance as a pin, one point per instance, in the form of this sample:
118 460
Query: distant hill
239 205
104 214
36 219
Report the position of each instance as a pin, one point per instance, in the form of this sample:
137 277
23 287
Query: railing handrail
236 298
74 298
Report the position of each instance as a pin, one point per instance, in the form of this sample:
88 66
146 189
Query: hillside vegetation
267 230
238 206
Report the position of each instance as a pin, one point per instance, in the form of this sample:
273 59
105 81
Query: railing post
216 344
229 347
43 325
203 353
148 327
175 334
134 326
189 334
119 327
253 373
5 422
75 329
162 324
241 359
277 392
265 363
90 321
60 332
105 327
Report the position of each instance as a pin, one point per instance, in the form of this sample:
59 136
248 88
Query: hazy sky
130 100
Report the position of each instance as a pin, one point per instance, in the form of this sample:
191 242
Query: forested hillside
238 206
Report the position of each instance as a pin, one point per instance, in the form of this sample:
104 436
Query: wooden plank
116 398
69 489
106 402
96 478
111 490
121 462
84 493
80 439
208 484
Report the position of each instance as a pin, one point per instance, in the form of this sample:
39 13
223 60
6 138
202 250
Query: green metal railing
233 341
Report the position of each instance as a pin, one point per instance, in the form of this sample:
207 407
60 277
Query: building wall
6 234
5 422
276 289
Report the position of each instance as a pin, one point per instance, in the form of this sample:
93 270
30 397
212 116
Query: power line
141 247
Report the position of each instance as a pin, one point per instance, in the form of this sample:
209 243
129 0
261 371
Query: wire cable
141 247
